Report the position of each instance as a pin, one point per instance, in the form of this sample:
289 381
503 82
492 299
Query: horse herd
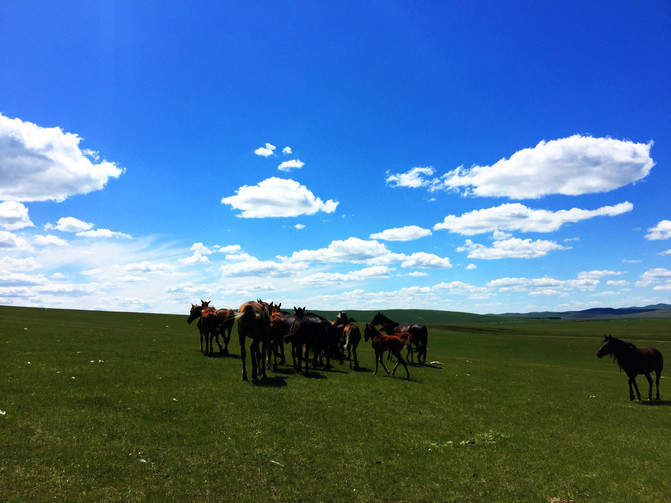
269 328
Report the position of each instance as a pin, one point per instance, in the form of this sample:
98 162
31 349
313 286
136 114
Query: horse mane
622 352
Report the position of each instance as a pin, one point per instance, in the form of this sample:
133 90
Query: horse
313 333
419 332
280 325
634 361
382 343
349 335
207 324
388 328
253 322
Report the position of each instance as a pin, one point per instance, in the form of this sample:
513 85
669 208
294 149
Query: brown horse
253 322
382 343
634 361
350 336
212 323
419 332
388 328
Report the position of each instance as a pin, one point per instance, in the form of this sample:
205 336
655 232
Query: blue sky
471 156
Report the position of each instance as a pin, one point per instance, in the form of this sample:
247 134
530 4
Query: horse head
370 332
606 347
300 311
205 303
342 319
194 313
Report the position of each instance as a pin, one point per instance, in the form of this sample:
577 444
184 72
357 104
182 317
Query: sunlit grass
123 407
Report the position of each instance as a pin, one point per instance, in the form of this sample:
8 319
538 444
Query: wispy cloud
416 177
510 248
518 217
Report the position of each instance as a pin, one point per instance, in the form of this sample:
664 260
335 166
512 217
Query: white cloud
103 233
543 286
667 252
353 250
49 240
598 274
658 278
265 151
40 164
325 278
292 164
416 177
510 248
661 231
9 240
518 217
277 197
23 264
426 260
14 216
470 267
407 233
70 224
252 266
299 226
287 150
622 282
569 166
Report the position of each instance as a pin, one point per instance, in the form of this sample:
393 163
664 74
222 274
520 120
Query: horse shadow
271 382
654 403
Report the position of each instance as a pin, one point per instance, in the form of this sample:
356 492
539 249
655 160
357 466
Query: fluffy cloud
14 216
266 151
569 166
40 164
9 240
407 233
416 177
660 231
252 266
103 233
510 248
277 197
518 217
287 150
292 164
49 240
70 224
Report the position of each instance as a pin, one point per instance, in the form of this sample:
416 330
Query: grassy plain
123 407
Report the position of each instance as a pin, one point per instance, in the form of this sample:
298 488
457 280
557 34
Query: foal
382 343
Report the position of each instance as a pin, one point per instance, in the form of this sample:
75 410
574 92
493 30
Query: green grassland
101 406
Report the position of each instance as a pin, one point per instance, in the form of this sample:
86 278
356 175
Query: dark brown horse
382 343
420 335
310 332
634 361
253 322
388 328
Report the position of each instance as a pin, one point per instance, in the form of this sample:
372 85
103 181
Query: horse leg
201 341
356 358
632 382
382 363
254 350
221 349
657 376
647 376
400 360
243 355
227 338
265 349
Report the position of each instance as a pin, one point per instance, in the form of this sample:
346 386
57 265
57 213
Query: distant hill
651 311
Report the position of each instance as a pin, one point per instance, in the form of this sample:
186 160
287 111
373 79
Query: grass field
123 407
